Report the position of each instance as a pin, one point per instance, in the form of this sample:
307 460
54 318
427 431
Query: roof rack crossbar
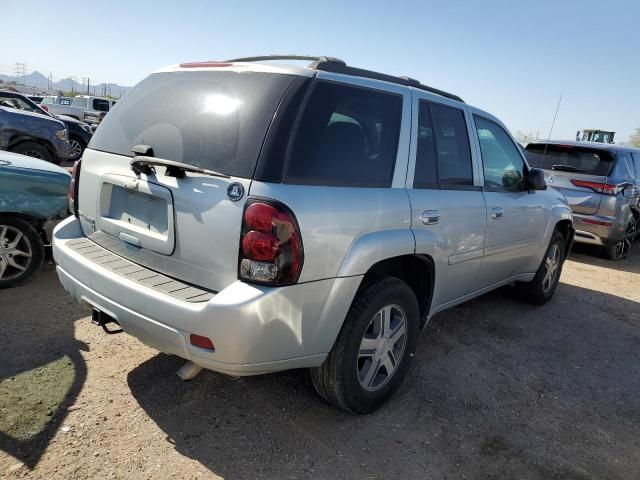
335 65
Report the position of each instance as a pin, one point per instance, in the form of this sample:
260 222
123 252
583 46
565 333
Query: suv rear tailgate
570 169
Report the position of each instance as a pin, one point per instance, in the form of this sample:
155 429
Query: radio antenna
552 125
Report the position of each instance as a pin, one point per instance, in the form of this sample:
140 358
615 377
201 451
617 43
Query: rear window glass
214 120
567 158
79 102
347 136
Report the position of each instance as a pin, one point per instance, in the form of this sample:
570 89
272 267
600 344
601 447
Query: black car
79 132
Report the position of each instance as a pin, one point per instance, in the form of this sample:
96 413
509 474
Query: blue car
33 198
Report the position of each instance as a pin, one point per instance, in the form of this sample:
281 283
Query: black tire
32 149
10 275
338 380
538 291
82 145
618 250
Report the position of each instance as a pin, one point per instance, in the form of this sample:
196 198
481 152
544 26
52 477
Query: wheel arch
418 271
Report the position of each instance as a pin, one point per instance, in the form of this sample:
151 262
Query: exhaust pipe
189 370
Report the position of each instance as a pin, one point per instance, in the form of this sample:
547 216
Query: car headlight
62 134
86 127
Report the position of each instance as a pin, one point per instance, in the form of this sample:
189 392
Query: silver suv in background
602 185
253 217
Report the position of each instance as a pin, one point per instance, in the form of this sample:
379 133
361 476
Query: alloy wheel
34 154
382 347
552 266
75 149
15 252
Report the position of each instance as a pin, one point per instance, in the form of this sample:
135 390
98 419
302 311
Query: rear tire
32 149
374 349
540 290
618 250
76 148
21 251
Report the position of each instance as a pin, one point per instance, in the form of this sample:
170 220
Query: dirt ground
499 390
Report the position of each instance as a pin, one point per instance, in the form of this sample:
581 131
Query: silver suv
251 216
601 182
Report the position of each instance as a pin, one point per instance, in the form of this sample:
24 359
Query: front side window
503 166
347 136
18 103
636 161
443 155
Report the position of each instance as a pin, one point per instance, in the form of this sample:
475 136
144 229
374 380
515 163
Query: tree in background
524 138
634 139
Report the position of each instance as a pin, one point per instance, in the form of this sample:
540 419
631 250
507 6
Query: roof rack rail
315 59
335 65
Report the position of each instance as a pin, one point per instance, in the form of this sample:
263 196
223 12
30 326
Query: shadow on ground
499 389
591 255
41 369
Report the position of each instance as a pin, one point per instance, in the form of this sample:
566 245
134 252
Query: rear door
514 214
187 227
448 210
576 171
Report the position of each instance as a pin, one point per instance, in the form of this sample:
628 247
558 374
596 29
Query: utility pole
88 82
50 81
21 71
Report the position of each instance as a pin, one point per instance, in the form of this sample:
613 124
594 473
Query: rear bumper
255 329
595 234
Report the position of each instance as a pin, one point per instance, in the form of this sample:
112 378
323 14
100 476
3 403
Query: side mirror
535 180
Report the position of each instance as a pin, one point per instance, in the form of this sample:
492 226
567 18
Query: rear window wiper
568 168
143 164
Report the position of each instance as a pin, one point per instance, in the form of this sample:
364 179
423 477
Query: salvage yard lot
499 389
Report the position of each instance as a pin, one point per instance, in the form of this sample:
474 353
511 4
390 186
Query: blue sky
511 58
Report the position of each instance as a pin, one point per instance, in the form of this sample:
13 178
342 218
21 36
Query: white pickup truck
58 105
93 107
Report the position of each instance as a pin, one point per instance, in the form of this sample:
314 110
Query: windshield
213 120
592 161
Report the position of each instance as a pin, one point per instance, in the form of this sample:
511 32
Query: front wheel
32 149
540 290
374 349
21 251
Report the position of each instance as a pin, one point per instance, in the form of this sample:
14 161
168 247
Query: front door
514 214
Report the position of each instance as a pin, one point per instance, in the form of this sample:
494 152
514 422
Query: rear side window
215 120
347 136
569 158
100 105
443 155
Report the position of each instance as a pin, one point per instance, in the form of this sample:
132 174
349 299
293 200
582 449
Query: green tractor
592 135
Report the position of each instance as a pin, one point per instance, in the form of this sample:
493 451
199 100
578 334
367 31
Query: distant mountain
38 80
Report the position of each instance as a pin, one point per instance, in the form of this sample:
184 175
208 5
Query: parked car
33 198
252 217
32 133
93 107
79 132
601 183
58 105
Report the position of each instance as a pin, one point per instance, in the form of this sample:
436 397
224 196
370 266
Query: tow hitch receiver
102 320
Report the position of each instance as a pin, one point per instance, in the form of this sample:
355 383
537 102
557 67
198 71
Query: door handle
497 212
430 217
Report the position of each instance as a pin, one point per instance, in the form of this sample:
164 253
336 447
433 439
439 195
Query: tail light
604 188
270 246
72 195
44 107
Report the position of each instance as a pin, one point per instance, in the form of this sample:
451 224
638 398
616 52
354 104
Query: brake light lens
271 246
73 188
604 188
201 342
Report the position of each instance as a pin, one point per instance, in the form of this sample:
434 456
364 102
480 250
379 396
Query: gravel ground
499 390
